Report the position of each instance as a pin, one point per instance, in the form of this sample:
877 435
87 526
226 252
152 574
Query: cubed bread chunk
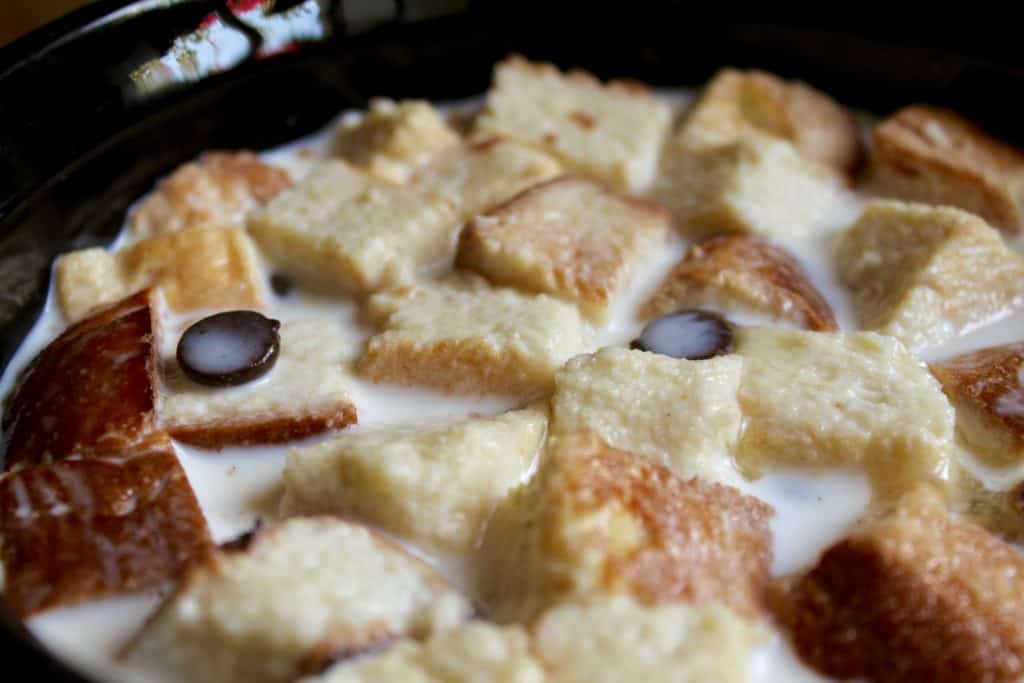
861 400
758 185
195 269
465 337
936 156
475 653
925 274
342 227
679 413
614 640
393 139
745 274
612 131
483 173
305 393
987 390
91 388
913 596
432 485
738 104
217 190
298 595
570 237
1000 510
115 522
596 520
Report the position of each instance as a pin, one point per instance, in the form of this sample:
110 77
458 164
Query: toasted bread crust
92 387
738 103
985 387
216 190
569 236
746 270
914 596
83 529
267 429
937 156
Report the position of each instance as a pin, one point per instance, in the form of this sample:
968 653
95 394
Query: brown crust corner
263 430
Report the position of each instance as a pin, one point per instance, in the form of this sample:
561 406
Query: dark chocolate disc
281 284
229 348
691 335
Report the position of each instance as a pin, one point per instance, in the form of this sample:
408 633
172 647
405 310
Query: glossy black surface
78 143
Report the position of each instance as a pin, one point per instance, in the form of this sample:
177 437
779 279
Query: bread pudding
598 383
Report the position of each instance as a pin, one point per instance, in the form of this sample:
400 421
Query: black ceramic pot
97 105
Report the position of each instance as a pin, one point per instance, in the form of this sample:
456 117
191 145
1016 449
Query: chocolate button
692 335
229 348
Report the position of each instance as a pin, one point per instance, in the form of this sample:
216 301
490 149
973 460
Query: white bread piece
306 392
298 595
679 413
195 269
816 399
737 104
352 231
217 190
596 520
612 131
466 337
475 653
435 486
757 185
936 156
615 639
393 139
569 237
925 274
484 173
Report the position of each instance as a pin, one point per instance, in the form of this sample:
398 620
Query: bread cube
475 653
90 389
815 399
612 131
615 639
569 237
349 230
217 190
295 596
1000 511
936 156
596 521
483 173
738 104
306 392
393 139
103 523
742 274
678 413
987 390
757 185
435 486
913 596
925 274
465 337
194 268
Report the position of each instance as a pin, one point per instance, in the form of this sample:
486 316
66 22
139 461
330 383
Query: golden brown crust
92 387
747 271
738 103
455 366
218 189
83 529
564 250
937 156
987 390
268 429
913 596
722 534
